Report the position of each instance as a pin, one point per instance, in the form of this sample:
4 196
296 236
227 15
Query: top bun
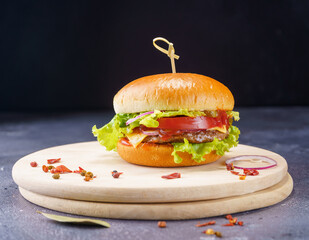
173 91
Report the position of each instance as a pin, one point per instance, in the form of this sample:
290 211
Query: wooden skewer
170 52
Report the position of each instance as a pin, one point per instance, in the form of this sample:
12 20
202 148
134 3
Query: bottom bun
159 155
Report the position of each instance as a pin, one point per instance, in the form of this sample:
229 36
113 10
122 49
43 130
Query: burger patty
201 136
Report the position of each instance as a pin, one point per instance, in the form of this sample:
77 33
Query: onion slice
137 117
245 157
150 133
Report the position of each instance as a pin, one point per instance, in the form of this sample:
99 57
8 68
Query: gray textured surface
282 130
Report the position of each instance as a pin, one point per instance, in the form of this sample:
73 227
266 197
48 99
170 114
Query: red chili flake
251 172
60 169
172 176
44 168
229 216
228 225
240 223
242 177
233 220
52 161
206 224
78 171
161 224
235 173
116 174
229 166
33 164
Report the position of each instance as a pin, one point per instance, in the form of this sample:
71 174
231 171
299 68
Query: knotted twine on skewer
170 52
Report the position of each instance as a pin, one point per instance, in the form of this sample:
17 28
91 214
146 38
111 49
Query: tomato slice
197 123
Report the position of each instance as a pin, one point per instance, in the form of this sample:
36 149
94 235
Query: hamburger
171 120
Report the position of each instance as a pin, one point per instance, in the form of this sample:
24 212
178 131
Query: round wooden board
139 184
167 211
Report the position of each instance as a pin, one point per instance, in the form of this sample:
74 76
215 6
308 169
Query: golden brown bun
173 91
158 155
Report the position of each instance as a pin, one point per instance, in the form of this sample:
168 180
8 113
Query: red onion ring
164 131
137 117
244 157
150 133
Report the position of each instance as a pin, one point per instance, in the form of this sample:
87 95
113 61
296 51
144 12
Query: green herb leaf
75 220
198 150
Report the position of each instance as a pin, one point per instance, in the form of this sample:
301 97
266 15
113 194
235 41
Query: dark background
60 56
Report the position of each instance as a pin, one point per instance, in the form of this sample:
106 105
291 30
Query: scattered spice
251 172
218 234
87 179
206 224
116 174
44 168
79 170
56 176
229 166
233 220
209 231
172 176
89 174
56 171
50 167
52 161
246 172
60 169
228 224
242 177
162 224
33 164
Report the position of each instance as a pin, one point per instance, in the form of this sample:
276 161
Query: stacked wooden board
141 193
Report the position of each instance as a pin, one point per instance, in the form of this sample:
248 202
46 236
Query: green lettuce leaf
109 134
198 150
234 115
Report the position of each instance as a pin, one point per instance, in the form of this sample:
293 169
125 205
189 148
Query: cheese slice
136 138
223 129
